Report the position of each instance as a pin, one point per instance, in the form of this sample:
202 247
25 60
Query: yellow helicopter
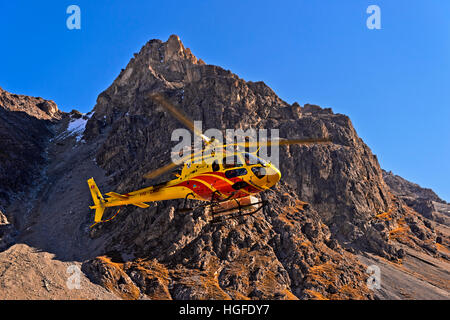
227 181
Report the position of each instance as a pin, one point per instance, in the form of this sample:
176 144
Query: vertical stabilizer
98 200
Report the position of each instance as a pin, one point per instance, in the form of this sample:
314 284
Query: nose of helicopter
273 175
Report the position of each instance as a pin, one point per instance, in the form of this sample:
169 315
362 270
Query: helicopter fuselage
205 181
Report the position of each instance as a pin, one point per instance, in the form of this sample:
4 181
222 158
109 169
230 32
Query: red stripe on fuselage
199 188
222 185
203 188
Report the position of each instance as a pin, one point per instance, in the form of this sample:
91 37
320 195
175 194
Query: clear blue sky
393 83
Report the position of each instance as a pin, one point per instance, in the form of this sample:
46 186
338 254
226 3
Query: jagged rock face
422 200
283 253
331 197
295 250
403 187
7 232
25 124
342 181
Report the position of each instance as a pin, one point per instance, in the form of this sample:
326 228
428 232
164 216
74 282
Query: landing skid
219 214
239 211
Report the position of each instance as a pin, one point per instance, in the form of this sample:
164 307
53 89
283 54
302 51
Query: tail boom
136 198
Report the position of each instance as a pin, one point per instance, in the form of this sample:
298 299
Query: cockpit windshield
251 159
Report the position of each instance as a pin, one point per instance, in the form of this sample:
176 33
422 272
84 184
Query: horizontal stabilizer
116 195
140 205
98 214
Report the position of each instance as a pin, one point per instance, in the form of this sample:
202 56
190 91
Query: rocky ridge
25 129
422 200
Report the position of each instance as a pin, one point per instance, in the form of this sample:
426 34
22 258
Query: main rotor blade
249 144
190 156
156 173
180 116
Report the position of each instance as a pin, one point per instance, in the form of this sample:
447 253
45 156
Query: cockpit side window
235 173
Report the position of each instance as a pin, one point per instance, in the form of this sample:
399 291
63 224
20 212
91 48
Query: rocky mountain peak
156 51
174 50
36 107
170 67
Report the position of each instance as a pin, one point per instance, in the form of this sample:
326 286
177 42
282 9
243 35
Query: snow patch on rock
76 127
